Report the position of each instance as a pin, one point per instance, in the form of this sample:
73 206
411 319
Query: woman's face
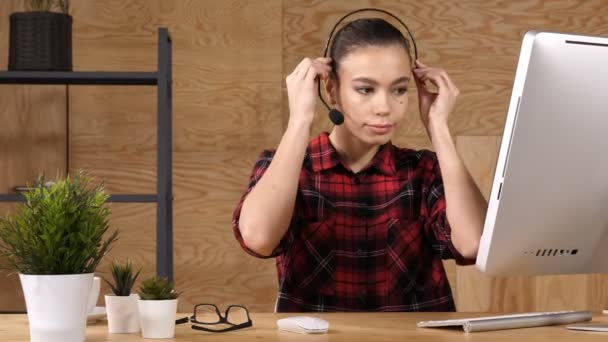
373 91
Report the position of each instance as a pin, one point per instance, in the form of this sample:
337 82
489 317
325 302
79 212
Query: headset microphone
336 117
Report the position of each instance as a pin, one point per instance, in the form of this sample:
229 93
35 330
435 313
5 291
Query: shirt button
359 252
356 180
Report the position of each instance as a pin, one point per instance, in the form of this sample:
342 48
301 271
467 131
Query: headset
336 117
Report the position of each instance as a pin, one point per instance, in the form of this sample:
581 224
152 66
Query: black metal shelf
162 78
79 77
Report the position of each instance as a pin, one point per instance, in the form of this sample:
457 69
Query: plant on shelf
41 37
47 5
41 5
64 6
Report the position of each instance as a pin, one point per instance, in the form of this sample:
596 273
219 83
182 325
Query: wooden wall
230 60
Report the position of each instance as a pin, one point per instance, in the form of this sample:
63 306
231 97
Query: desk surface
343 327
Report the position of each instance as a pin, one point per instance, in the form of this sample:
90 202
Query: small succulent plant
157 288
123 278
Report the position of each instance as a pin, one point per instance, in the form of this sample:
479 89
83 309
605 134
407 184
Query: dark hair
361 33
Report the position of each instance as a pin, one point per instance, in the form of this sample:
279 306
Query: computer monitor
548 208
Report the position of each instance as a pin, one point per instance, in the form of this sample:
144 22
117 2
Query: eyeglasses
236 316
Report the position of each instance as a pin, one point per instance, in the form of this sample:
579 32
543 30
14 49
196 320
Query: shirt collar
323 156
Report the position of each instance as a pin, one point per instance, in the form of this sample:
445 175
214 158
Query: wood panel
230 60
235 95
226 105
33 139
113 135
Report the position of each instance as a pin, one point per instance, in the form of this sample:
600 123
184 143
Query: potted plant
121 305
55 240
157 308
41 39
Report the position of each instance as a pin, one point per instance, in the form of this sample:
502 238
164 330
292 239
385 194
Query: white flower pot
157 318
123 314
57 306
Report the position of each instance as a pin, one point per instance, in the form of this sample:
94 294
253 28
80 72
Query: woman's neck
353 152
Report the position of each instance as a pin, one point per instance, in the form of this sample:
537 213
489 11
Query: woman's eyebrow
403 79
365 79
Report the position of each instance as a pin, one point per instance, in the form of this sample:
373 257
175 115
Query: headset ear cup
336 117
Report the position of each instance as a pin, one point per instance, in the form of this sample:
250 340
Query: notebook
512 321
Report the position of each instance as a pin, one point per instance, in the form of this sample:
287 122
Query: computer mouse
303 324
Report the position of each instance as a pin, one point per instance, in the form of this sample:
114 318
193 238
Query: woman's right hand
302 88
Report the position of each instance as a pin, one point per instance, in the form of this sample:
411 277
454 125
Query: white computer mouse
303 324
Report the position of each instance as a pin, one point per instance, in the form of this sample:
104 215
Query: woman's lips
380 129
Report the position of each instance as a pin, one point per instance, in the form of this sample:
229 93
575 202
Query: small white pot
57 306
123 314
157 318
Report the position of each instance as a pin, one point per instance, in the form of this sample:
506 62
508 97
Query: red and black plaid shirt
371 241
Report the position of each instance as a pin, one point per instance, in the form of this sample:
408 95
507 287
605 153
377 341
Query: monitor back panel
548 209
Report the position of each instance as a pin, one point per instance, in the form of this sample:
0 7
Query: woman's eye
365 90
400 91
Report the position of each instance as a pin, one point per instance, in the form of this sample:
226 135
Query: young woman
356 223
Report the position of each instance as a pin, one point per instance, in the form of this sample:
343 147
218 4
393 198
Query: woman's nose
382 104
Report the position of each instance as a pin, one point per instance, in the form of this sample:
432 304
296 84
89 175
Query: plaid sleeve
261 165
437 228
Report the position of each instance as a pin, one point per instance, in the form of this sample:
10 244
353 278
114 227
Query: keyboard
511 321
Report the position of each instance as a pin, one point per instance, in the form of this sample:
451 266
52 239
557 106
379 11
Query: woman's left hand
434 107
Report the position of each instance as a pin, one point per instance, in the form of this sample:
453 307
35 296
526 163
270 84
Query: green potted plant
41 38
157 308
121 305
54 241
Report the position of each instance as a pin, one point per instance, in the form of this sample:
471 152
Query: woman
356 223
